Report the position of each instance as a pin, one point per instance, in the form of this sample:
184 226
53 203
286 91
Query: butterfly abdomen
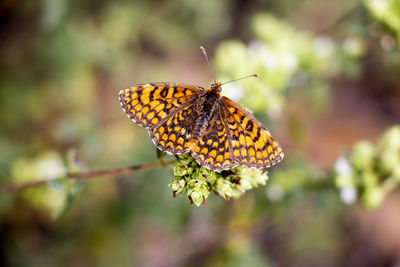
206 109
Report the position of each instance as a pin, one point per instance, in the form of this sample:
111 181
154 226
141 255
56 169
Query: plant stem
13 187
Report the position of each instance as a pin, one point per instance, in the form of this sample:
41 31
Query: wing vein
244 132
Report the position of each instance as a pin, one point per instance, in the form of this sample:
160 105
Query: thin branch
112 173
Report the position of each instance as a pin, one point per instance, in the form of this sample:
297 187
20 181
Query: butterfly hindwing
152 103
174 135
252 144
212 149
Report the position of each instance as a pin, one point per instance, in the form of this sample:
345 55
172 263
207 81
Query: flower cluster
370 171
197 182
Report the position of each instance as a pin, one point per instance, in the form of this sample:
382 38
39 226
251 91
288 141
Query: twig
13 187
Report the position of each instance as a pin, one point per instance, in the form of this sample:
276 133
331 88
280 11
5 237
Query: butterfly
183 118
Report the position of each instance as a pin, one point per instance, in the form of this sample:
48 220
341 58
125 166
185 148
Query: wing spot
145 110
172 137
210 160
180 140
170 144
154 104
154 121
251 152
160 107
213 153
171 91
242 140
134 102
227 155
150 115
178 93
145 100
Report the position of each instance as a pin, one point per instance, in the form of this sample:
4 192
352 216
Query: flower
197 182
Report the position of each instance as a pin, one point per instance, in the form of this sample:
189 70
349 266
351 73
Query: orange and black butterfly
183 118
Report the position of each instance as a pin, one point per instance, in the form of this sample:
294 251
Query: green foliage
386 12
370 171
286 59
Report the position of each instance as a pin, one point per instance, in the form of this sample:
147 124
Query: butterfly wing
151 104
252 144
174 135
166 110
213 149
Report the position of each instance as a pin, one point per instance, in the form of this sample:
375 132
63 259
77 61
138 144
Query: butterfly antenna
253 75
208 62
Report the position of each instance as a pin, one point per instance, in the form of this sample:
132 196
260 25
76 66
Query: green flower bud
224 188
369 179
198 193
209 175
197 182
390 139
177 186
362 155
373 197
196 196
389 160
181 169
187 159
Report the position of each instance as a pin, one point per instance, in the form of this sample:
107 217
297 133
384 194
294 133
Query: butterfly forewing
252 144
174 135
152 103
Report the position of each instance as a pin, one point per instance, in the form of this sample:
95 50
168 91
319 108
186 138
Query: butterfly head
216 86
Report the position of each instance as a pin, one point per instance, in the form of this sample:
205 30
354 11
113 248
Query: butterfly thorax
206 109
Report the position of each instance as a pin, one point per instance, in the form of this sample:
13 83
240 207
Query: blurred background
329 91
